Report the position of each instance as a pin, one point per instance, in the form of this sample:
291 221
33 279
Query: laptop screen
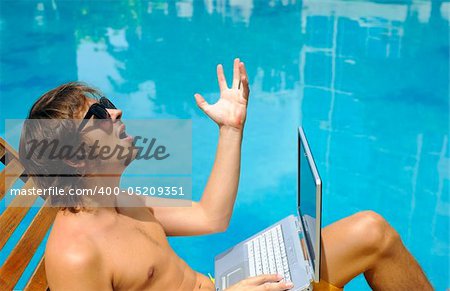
309 201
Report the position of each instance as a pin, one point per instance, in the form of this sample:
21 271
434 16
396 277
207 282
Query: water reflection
374 80
368 80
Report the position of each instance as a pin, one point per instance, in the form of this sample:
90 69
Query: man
96 244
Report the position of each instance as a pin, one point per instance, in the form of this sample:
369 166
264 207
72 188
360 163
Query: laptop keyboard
267 254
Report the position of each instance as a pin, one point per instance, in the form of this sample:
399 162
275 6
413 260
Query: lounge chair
23 251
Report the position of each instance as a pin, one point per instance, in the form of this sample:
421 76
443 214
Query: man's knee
374 234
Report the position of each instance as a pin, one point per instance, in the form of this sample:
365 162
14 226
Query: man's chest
137 252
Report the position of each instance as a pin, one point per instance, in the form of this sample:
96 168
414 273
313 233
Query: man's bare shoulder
72 255
70 249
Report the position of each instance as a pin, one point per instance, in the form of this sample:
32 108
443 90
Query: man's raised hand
231 108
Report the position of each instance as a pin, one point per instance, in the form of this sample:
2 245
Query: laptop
290 247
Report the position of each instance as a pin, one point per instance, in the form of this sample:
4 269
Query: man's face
109 140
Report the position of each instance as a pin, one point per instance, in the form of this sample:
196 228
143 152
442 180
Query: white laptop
290 247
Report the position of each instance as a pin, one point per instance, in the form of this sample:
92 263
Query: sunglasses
97 110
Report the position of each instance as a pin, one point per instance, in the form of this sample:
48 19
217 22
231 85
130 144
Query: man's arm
213 212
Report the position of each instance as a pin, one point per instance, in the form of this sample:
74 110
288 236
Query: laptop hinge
305 252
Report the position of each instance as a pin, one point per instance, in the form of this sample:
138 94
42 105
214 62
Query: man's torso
134 248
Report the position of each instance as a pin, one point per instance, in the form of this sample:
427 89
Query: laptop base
232 266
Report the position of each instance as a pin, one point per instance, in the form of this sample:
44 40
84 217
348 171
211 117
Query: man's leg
366 243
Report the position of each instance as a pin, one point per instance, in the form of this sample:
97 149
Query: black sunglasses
98 110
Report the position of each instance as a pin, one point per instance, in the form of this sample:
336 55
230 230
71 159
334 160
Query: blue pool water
368 81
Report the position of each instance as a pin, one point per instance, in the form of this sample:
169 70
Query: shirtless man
93 247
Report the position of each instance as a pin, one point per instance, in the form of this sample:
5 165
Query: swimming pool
368 81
